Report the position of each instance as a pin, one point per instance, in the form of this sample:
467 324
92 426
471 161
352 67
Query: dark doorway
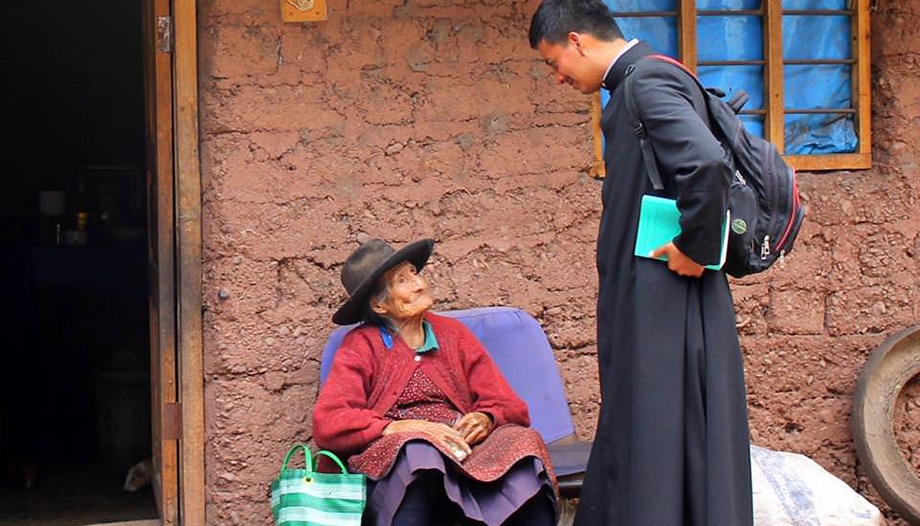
75 373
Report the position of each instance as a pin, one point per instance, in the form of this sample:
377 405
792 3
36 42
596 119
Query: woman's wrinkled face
407 293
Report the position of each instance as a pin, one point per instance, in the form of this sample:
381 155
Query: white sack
793 490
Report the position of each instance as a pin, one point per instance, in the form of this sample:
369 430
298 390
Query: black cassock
672 443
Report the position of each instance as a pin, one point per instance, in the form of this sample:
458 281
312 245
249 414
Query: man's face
570 65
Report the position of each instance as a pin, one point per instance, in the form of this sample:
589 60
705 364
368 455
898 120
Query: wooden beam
774 122
188 234
862 77
833 161
686 32
597 169
161 256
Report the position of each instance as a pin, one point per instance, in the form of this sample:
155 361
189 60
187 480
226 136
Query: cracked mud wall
433 118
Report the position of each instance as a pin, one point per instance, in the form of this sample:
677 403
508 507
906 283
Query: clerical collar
624 64
622 52
431 343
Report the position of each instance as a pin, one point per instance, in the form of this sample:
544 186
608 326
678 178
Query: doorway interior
75 410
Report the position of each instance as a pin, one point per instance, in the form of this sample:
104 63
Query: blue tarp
740 37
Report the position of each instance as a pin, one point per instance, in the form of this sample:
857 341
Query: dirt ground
73 495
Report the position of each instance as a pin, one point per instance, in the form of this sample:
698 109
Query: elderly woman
419 406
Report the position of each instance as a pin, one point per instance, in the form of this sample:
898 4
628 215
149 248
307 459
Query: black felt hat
364 267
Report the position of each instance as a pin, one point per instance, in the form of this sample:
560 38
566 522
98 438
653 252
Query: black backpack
766 213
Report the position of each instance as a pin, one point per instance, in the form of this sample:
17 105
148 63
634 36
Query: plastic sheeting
740 37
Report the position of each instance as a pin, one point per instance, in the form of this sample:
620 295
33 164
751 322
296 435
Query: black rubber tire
889 368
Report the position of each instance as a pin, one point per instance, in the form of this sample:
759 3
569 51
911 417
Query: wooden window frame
774 109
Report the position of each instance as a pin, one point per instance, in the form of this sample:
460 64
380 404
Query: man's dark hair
555 19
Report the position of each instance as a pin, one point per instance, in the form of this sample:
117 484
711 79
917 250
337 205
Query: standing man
672 443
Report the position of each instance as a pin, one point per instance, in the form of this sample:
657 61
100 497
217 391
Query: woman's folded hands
474 427
441 434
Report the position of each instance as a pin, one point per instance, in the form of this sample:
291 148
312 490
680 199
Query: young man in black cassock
672 443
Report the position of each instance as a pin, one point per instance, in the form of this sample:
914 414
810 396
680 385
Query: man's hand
678 261
440 433
474 427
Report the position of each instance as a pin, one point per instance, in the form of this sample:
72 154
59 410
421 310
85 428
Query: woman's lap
486 502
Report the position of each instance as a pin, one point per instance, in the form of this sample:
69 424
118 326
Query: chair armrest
569 462
571 458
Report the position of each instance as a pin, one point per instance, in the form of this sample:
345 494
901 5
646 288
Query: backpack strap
738 100
648 154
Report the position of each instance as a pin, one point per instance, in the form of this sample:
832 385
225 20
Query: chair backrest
519 347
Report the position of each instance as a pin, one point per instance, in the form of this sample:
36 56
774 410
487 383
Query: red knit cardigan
366 379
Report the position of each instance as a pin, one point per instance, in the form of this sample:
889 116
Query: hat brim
353 310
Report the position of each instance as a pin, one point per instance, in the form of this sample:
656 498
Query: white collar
623 51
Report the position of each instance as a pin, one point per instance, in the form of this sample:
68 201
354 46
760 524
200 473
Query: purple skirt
491 503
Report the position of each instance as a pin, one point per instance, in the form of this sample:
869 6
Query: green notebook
659 224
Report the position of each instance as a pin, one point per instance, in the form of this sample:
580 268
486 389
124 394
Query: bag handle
308 459
334 458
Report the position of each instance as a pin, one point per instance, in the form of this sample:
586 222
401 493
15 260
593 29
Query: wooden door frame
188 265
176 320
158 92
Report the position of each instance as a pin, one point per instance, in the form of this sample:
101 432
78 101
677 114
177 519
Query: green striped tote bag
305 497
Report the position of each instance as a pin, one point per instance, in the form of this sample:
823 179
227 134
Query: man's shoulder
658 67
654 79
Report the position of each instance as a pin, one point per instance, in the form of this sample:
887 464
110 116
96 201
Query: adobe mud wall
408 119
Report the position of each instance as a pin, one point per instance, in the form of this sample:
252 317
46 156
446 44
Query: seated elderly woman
418 405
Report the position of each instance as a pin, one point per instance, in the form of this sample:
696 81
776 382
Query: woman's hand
474 427
442 434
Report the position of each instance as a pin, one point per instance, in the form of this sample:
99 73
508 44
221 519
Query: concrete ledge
149 522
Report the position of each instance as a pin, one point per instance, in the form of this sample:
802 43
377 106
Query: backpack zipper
795 209
765 247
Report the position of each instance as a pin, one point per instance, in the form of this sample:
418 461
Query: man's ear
575 40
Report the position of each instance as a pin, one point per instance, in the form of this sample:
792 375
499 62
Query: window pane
635 6
729 38
733 37
820 134
815 4
660 33
816 37
816 85
732 79
727 5
753 123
